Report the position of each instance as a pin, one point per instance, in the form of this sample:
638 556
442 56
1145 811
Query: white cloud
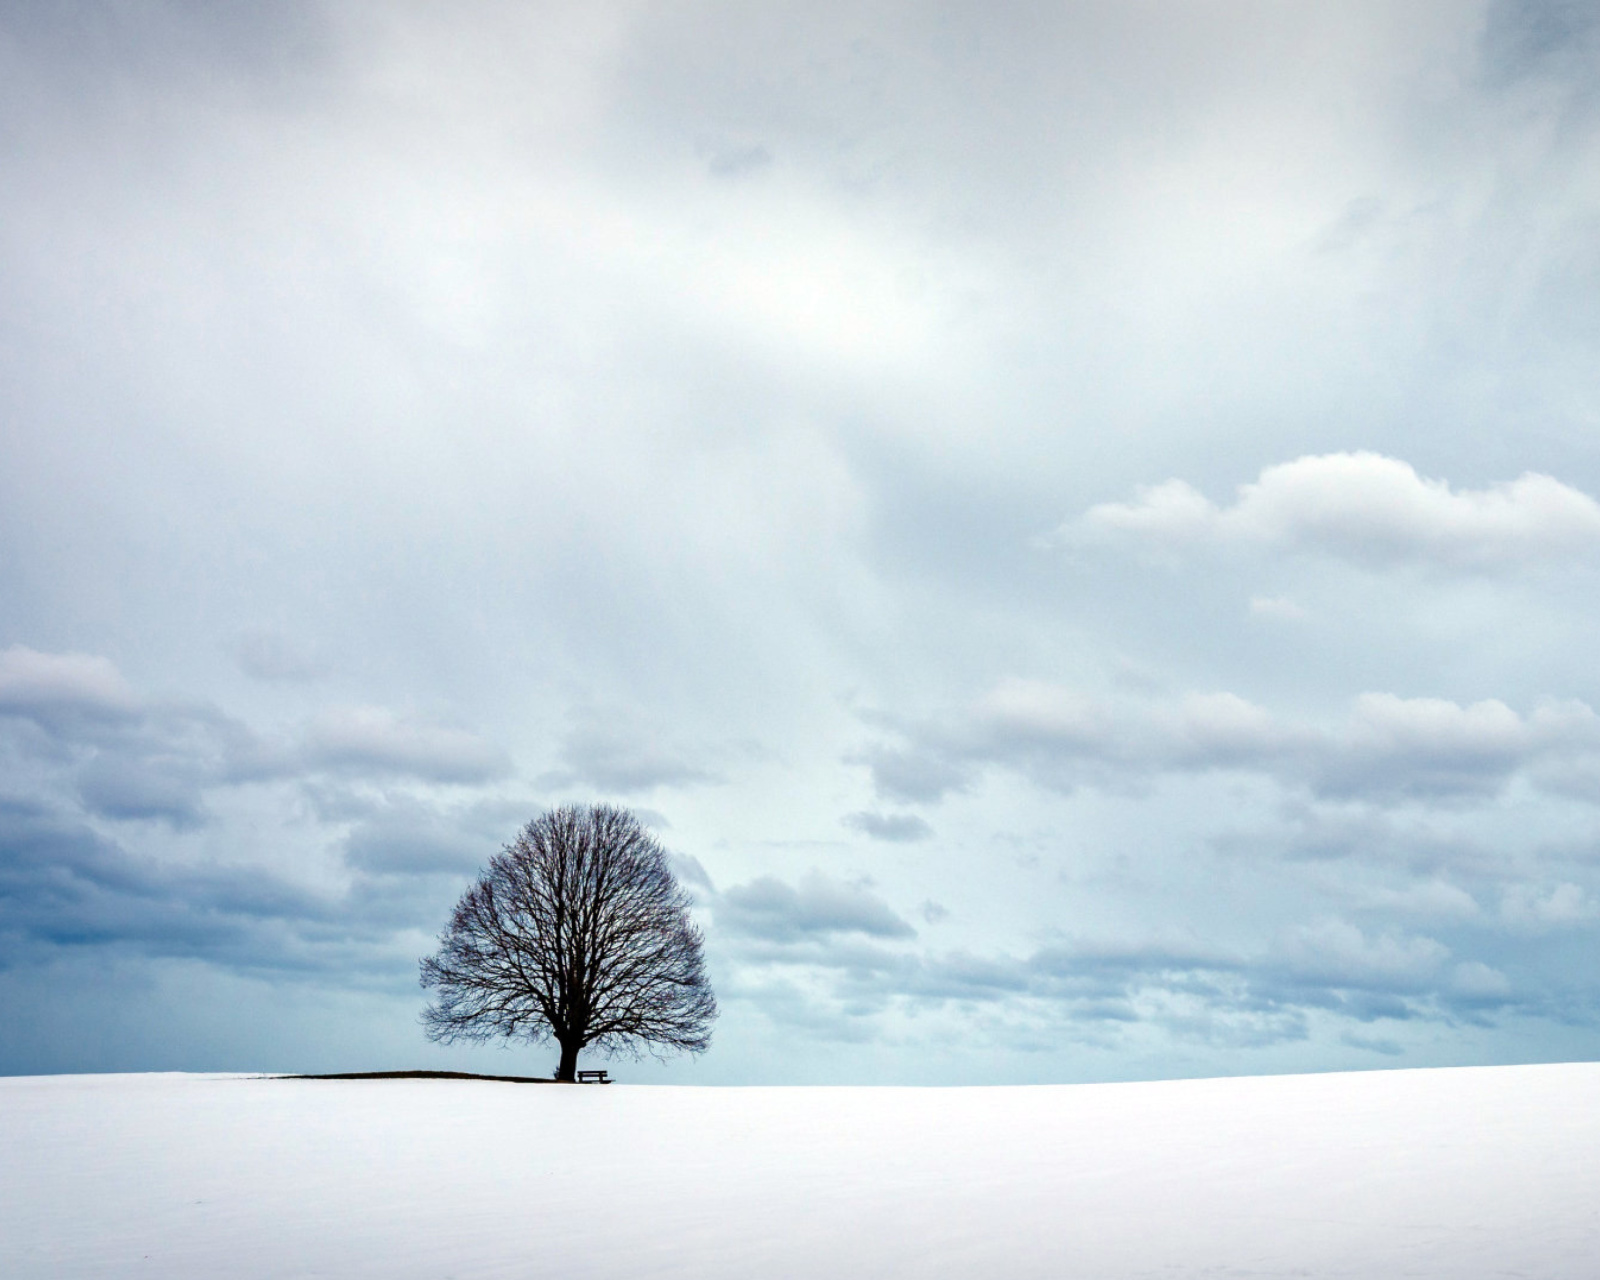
1537 908
1417 745
44 684
1281 608
1171 512
1217 729
1338 954
1476 981
1435 898
1363 507
1033 709
1386 746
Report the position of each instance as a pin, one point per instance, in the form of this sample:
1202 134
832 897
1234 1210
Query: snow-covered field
1459 1173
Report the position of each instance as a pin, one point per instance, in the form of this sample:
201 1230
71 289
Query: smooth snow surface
1458 1173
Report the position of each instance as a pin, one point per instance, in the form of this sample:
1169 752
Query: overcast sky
1075 523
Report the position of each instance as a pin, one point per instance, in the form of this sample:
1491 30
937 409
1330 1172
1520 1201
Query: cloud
1372 1044
1363 507
1386 747
1433 898
1521 37
1336 954
1431 746
773 911
1281 608
736 160
915 775
125 757
1542 907
375 740
139 757
275 658
63 885
1476 983
897 828
1330 965
1110 993
410 839
80 870
123 788
624 761
66 887
692 873
46 686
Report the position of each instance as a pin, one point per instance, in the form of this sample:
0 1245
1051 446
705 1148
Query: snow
1453 1173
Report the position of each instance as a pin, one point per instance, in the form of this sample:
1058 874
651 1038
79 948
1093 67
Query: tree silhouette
576 932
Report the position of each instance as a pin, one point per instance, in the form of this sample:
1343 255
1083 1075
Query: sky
1076 524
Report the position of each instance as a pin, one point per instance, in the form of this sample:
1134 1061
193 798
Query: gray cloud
768 908
1388 747
691 872
849 959
897 828
82 869
374 740
67 890
732 160
1205 996
146 758
1372 1044
625 760
49 686
67 887
918 774
173 38
270 656
1522 37
412 839
122 788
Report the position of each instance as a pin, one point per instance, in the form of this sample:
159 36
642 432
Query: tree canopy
577 932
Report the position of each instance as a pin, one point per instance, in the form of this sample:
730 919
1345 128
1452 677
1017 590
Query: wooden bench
593 1077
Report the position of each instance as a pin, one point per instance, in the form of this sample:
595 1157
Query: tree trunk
568 1070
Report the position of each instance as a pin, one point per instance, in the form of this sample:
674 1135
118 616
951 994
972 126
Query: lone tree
578 932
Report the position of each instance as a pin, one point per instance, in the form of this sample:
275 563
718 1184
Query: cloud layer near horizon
1385 747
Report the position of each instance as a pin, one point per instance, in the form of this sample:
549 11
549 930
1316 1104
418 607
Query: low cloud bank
1386 748
365 824
839 961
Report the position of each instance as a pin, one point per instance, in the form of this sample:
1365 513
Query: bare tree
578 932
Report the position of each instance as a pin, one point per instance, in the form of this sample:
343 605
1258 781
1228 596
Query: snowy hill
1452 1173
